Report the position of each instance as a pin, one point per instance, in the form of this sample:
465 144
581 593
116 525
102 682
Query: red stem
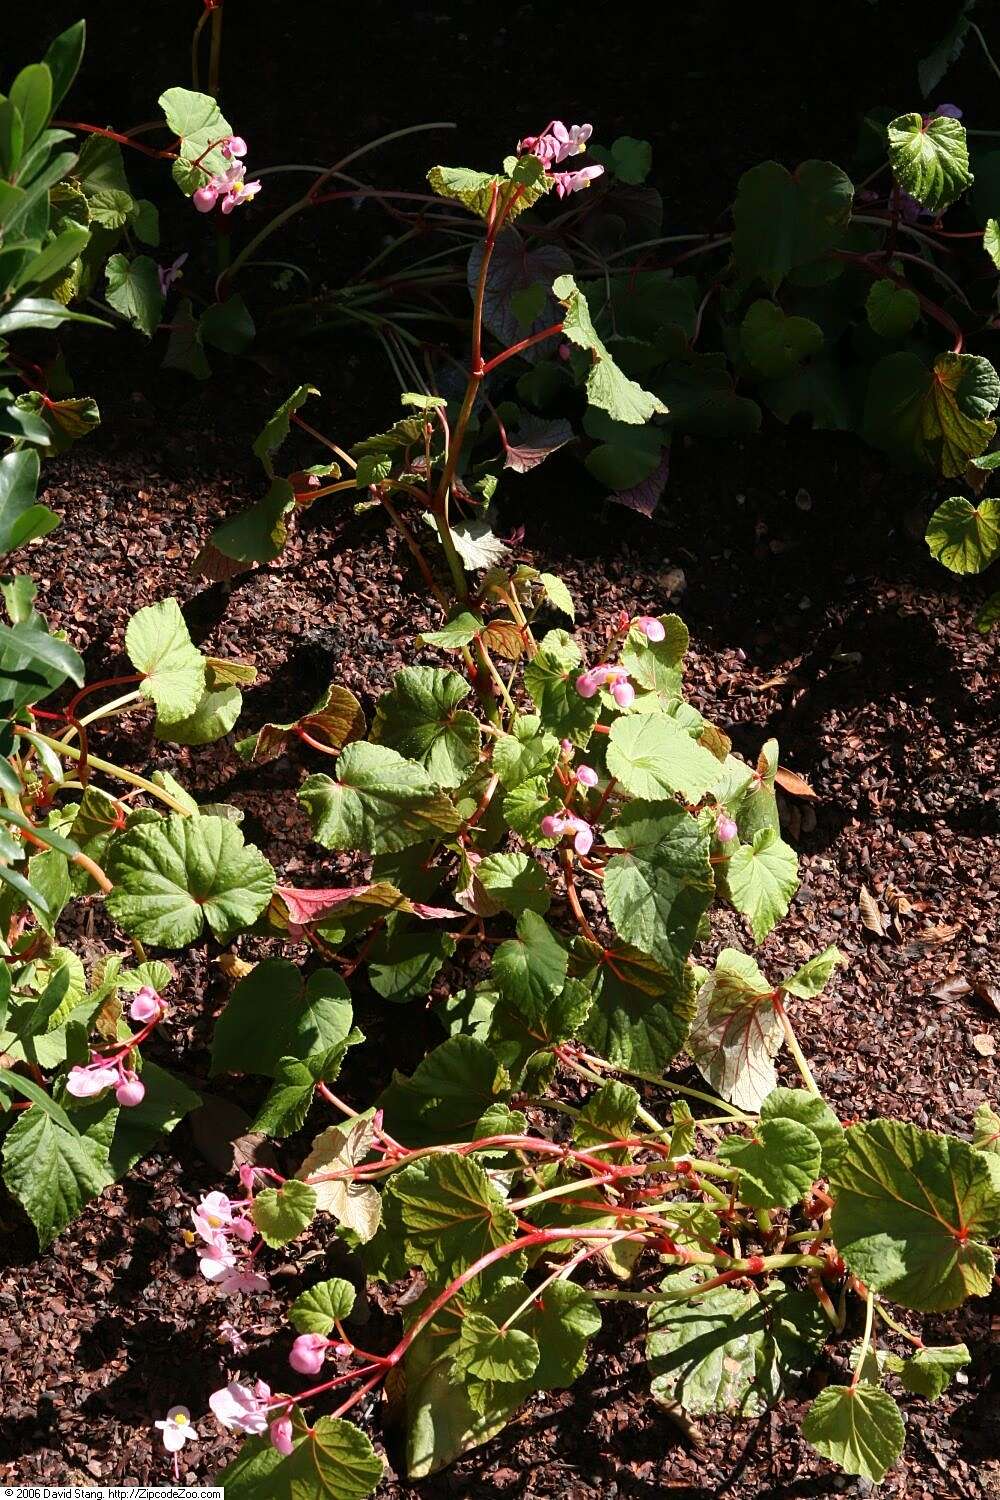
113 135
536 338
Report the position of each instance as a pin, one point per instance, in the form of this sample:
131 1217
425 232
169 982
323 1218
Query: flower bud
146 1006
281 1435
586 775
308 1353
725 828
205 198
130 1092
652 628
624 694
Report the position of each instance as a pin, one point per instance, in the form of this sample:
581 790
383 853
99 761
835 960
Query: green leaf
525 754
892 310
258 534
965 537
134 291
730 1351
939 417
629 159
550 679
185 347
447 1214
524 181
228 325
63 60
110 208
763 877
51 1172
858 1427
451 1088
31 96
809 1110
784 221
324 1304
332 1460
814 975
557 593
607 387
657 666
658 890
737 1033
272 1013
421 719
145 220
654 758
987 1133
515 882
608 1115
21 520
402 966
355 1205
930 160
912 1213
641 1011
476 191
459 631
270 439
41 312
212 720
519 1029
530 968
776 343
779 1166
379 802
285 1109
198 121
929 1372
283 1213
160 647
173 876
489 1352
989 614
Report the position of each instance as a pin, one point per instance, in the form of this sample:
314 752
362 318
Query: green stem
764 1220
74 753
681 1294
866 1339
678 1088
796 1050
905 1333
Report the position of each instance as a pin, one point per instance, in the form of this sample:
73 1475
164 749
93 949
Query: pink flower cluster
614 678
219 1220
558 825
88 1080
556 143
231 185
244 1408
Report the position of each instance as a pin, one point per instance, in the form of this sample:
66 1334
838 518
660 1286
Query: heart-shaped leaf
930 159
160 647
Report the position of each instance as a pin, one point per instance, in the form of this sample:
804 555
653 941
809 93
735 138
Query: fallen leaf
871 917
988 993
934 936
792 783
984 1044
952 989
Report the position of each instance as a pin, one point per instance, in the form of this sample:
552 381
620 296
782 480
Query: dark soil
815 614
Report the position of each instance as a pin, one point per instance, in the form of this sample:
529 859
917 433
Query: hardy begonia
614 678
235 1281
281 1435
652 628
177 1429
84 1082
557 825
168 275
130 1090
235 146
308 1353
725 828
573 182
586 776
242 1408
230 1334
231 186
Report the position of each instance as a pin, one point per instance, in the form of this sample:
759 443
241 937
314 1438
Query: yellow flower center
180 1420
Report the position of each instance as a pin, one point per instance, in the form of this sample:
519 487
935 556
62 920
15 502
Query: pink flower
725 829
556 142
86 1082
281 1435
235 146
240 1408
567 748
177 1429
217 1259
213 1214
651 627
232 1282
168 275
229 1334
572 182
615 678
586 776
308 1353
130 1090
243 1229
557 825
205 198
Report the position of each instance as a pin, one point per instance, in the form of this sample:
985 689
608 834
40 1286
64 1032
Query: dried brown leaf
792 783
871 917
